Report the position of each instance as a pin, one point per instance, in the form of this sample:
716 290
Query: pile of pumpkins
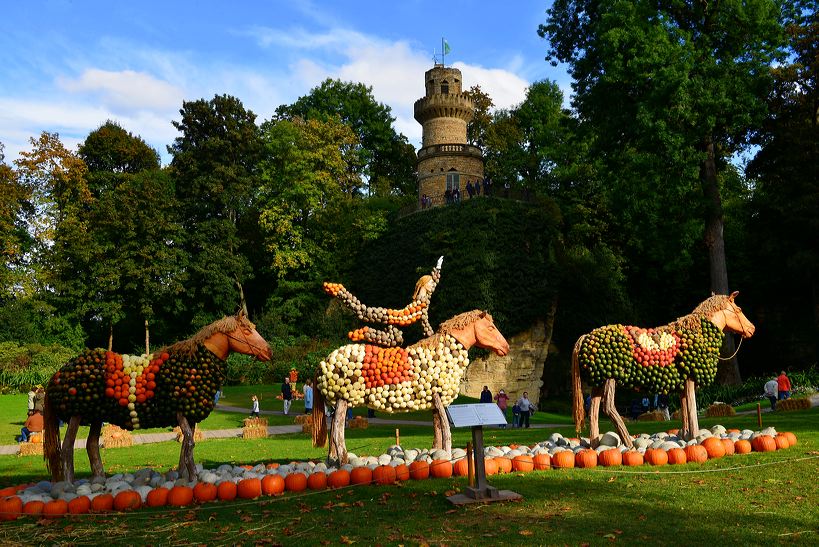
150 488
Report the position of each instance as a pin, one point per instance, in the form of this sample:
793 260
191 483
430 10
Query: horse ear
734 295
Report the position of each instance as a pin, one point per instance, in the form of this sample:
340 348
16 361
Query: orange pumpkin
504 464
523 463
55 509
127 500
317 481
272 485
102 503
249 489
8 491
673 431
742 446
542 461
384 474
728 445
610 458
676 456
563 459
419 470
656 456
781 442
338 478
295 482
461 468
226 491
33 508
79 505
11 507
158 497
180 496
440 469
763 443
713 447
203 492
585 458
696 453
632 458
361 475
490 466
402 472
791 438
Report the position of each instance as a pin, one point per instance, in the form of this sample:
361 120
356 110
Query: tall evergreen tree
214 168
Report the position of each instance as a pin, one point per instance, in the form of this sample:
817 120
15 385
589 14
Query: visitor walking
254 409
526 408
456 195
771 391
470 191
515 416
503 400
486 395
783 386
448 196
308 397
287 395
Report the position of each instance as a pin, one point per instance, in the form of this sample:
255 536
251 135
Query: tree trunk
110 335
337 440
728 371
692 425
147 339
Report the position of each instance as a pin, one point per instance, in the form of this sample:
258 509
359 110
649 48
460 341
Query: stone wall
517 372
432 174
443 130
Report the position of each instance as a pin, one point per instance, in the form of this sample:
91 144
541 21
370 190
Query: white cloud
125 90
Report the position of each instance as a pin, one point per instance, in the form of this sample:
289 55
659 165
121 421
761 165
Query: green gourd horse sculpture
672 358
175 386
423 376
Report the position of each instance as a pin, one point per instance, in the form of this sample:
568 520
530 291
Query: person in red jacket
34 424
784 386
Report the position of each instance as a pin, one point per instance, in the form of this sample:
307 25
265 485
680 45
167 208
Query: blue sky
68 66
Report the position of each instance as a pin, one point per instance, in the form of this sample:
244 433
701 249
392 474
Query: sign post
476 416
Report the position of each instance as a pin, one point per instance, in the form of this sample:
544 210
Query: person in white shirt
771 392
526 408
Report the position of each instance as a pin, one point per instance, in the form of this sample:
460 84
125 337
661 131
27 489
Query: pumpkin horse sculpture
669 359
175 386
426 375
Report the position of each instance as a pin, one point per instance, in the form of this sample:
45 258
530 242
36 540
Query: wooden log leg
67 451
437 430
186 468
684 432
691 402
92 446
611 410
594 417
337 433
446 433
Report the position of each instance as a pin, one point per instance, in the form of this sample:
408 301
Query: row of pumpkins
273 484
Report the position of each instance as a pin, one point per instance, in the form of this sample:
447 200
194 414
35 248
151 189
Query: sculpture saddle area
653 348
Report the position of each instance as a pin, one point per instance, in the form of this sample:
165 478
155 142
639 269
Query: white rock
611 439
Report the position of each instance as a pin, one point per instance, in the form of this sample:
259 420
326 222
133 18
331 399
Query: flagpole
443 52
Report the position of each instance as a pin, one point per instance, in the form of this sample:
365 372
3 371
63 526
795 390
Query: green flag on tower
446 47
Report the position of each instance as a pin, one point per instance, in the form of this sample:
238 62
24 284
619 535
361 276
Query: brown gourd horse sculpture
423 376
175 386
673 358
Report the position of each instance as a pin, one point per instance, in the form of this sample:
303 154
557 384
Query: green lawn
739 500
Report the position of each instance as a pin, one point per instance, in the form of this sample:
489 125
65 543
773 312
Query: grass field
739 500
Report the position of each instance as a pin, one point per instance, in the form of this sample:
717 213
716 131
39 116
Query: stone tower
445 160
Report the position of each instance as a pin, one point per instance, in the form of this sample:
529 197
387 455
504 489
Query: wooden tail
319 421
51 440
578 408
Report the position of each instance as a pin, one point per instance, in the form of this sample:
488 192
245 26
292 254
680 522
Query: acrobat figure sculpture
391 336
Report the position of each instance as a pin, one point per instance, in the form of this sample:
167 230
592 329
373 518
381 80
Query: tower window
444 88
